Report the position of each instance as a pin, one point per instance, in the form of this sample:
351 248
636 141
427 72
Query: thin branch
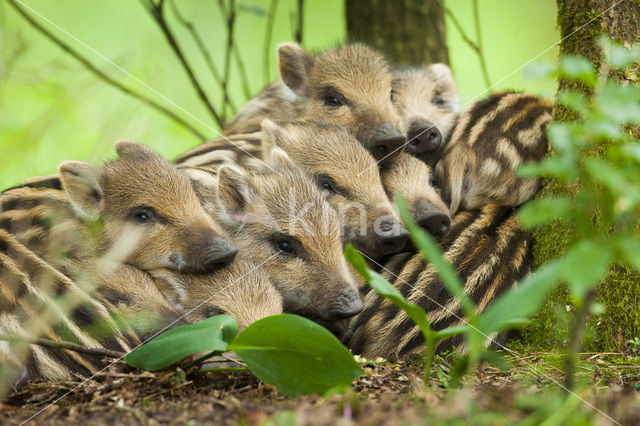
231 19
242 71
480 51
63 345
476 47
300 22
203 50
101 75
267 40
157 12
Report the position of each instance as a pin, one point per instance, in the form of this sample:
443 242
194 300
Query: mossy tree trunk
409 32
580 23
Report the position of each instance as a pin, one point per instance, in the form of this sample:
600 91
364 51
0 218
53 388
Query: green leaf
296 355
628 248
544 210
618 56
383 287
432 254
520 302
451 331
574 100
211 334
578 68
539 70
584 265
615 180
619 104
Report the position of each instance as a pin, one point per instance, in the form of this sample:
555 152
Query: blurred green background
52 109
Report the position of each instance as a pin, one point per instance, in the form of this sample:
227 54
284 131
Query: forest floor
529 392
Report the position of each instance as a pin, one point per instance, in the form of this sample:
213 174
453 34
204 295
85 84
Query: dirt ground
386 394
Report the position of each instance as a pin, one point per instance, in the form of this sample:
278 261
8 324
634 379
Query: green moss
620 291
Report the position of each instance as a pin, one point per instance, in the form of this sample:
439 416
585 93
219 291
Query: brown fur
42 302
355 75
263 209
412 178
97 214
426 96
490 140
327 153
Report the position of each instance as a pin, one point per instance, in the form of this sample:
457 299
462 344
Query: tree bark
580 23
409 32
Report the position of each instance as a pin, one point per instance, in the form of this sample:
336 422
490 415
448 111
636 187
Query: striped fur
476 169
490 252
488 142
66 275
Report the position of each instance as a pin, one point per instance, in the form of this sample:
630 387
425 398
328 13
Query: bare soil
386 394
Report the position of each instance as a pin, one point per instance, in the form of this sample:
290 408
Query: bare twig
157 12
63 345
201 47
300 17
100 74
267 40
231 19
480 51
242 71
475 46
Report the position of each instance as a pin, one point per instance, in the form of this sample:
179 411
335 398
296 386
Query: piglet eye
434 182
332 100
284 246
437 99
393 95
326 184
143 215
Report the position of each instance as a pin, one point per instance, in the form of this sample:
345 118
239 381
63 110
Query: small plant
512 309
635 345
287 351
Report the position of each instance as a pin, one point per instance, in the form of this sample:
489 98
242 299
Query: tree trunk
620 292
409 32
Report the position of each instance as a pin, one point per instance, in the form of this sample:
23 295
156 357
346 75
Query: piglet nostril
347 305
220 253
437 224
387 141
392 243
423 137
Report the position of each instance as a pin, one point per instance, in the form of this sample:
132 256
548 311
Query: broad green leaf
619 104
539 70
520 302
296 355
574 100
383 287
578 68
544 210
432 253
628 248
451 331
615 180
562 167
211 334
617 56
631 151
584 266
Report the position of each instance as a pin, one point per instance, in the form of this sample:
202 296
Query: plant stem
157 12
575 340
64 345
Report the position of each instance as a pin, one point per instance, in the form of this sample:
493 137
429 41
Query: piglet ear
295 65
234 193
279 158
81 183
127 148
